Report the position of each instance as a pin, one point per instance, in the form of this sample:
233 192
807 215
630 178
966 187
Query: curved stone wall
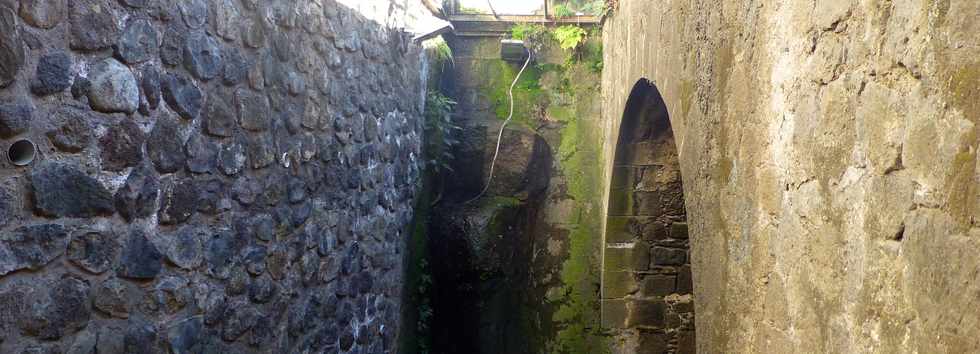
209 176
829 158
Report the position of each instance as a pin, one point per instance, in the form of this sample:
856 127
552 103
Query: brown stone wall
828 154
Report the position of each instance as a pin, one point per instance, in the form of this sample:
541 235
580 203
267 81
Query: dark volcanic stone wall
211 176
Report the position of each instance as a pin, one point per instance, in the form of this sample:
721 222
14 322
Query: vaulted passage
647 295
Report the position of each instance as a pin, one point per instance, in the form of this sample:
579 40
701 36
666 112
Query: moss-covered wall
556 99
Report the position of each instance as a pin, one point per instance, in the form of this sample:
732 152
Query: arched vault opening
647 289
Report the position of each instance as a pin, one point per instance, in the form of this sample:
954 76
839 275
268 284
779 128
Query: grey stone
227 19
214 308
223 254
195 13
242 318
255 259
261 150
74 133
140 336
140 258
235 69
172 48
231 158
114 88
297 190
64 309
114 297
186 248
84 342
668 256
138 3
137 197
122 146
150 86
246 190
164 146
110 340
237 283
220 119
179 202
139 42
183 96
93 26
202 154
31 247
93 251
253 110
172 294
262 289
44 14
211 196
255 35
185 337
80 87
202 56
7 205
15 118
61 190
53 74
11 47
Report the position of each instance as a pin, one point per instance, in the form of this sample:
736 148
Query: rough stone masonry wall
828 152
211 176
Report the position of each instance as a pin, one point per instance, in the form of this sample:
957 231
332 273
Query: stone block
668 256
647 204
646 313
678 230
687 342
651 342
658 285
618 259
613 313
617 284
623 177
641 256
620 202
685 282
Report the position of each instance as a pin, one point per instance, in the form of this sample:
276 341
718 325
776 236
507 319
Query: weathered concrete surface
829 162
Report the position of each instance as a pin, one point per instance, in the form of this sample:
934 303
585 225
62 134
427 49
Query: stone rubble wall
828 152
211 176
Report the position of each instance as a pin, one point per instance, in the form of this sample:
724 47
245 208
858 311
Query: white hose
510 94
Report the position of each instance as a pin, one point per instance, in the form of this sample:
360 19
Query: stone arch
647 290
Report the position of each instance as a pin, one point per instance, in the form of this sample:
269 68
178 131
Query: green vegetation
569 37
562 11
568 8
439 131
443 53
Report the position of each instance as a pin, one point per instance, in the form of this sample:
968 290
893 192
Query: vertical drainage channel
647 290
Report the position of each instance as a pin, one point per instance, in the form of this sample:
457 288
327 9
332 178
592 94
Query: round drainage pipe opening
21 152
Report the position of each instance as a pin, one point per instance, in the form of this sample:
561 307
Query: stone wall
517 271
828 156
646 271
209 176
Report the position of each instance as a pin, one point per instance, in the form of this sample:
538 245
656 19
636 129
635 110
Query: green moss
528 96
579 156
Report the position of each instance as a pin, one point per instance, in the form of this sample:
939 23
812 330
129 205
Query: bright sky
514 7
